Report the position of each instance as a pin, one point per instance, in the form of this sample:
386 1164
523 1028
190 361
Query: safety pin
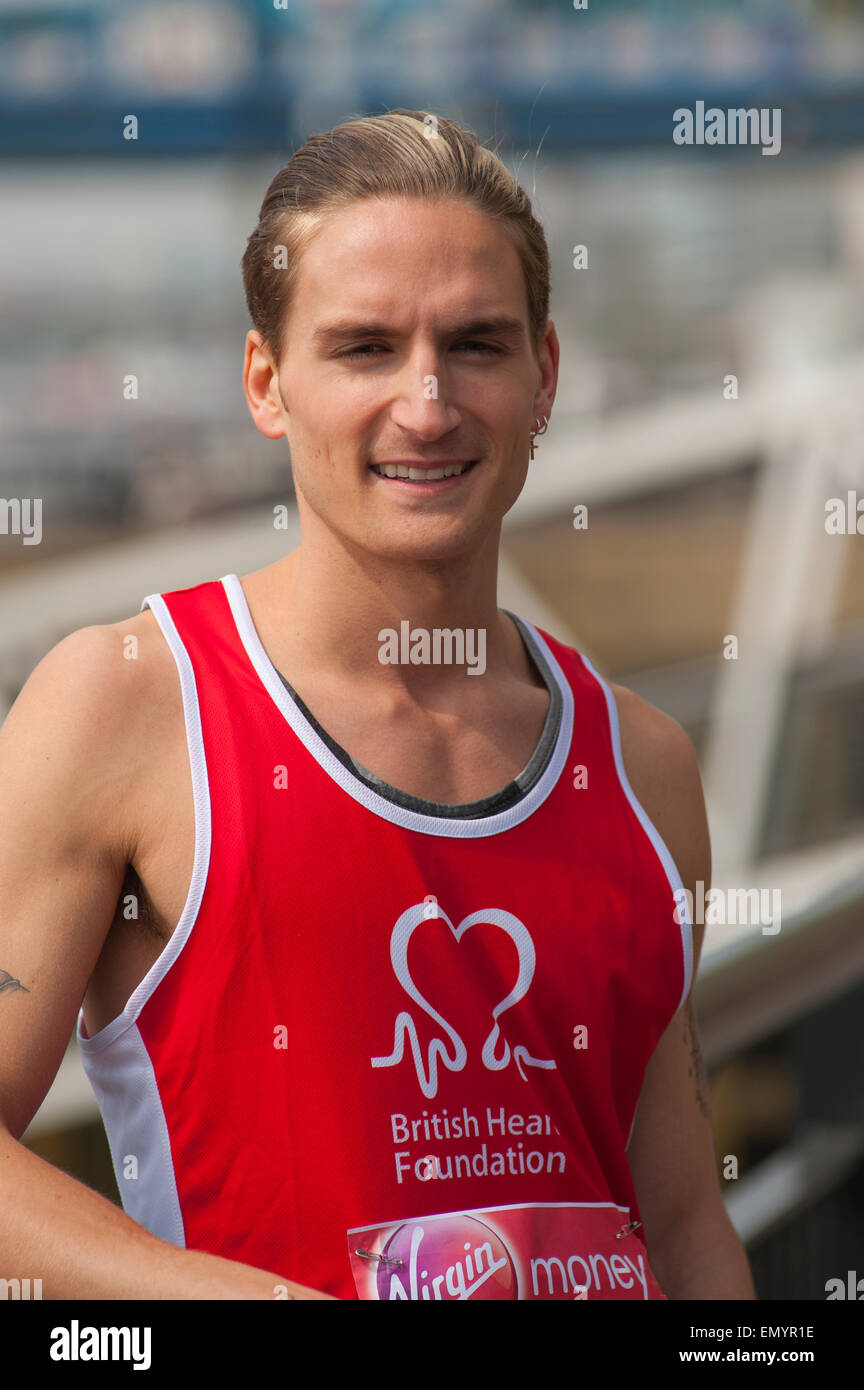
625 1230
370 1255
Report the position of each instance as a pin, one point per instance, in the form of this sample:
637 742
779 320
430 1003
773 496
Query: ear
549 356
261 387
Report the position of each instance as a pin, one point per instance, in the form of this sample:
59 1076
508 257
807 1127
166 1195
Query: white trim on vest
115 1059
651 831
201 863
453 827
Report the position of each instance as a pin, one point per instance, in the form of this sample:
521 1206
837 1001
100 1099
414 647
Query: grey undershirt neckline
467 810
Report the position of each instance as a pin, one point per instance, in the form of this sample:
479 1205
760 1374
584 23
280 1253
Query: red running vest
384 1054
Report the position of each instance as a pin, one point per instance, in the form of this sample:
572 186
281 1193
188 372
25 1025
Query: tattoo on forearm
8 981
696 1067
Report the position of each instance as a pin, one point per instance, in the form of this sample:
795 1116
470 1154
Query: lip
415 485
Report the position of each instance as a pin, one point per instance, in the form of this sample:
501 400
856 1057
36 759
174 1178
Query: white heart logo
427 1075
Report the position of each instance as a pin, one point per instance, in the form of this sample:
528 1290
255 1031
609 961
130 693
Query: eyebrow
500 325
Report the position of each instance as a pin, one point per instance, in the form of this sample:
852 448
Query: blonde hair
406 154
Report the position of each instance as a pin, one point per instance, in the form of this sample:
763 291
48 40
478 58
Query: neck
326 604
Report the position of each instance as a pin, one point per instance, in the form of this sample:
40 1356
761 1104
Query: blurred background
711 403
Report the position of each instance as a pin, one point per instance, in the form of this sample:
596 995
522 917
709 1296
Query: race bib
560 1250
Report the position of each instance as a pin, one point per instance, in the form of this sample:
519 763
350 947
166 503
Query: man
405 1012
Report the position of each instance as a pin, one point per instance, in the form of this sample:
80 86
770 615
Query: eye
358 351
369 349
477 346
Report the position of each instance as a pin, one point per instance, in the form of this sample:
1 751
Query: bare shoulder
95 711
107 671
663 771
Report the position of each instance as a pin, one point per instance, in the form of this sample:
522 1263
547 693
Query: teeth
420 475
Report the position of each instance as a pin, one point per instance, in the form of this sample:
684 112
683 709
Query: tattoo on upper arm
696 1066
8 981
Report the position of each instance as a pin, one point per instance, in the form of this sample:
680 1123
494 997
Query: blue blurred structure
241 77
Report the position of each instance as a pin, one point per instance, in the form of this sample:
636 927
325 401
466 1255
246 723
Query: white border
201 863
651 831
452 827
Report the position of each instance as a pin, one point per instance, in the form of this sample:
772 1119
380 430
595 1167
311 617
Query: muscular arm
692 1246
66 769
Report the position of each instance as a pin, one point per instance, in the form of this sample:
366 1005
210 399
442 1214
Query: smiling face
407 346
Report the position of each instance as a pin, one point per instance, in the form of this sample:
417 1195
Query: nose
421 405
